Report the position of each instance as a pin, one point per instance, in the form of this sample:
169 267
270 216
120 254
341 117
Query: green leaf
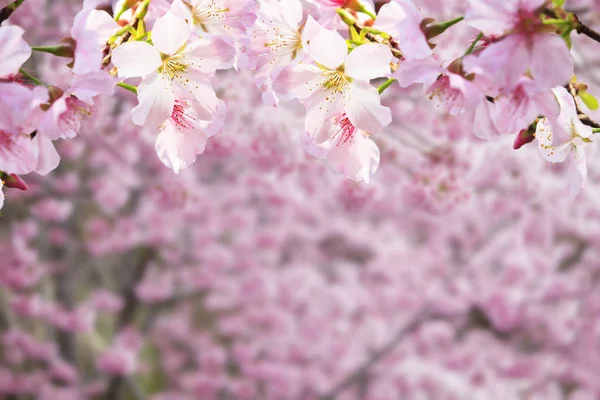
558 3
590 101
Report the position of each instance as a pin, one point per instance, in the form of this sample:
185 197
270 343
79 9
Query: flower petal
17 155
357 158
402 21
156 100
362 104
47 156
369 61
14 51
177 148
327 48
170 33
136 59
300 82
209 55
551 62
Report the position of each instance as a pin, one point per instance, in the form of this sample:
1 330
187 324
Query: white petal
170 33
578 172
362 104
369 61
544 135
136 59
292 12
328 48
156 100
200 88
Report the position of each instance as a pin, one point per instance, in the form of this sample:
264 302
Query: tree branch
129 308
9 9
583 29
362 371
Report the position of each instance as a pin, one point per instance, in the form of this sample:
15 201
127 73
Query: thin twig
9 9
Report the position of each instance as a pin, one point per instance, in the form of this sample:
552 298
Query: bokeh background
462 271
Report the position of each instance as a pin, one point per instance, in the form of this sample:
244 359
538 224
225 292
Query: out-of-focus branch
362 371
130 306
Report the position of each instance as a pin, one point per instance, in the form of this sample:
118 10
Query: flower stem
126 86
124 8
448 24
472 46
32 78
364 10
386 85
59 51
595 130
434 30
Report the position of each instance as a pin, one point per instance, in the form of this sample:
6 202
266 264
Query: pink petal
14 51
364 109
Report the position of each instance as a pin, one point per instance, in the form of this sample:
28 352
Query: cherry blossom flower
185 133
338 78
347 149
515 110
278 42
402 20
566 136
171 61
14 51
1 194
452 91
526 45
20 107
221 17
91 30
62 120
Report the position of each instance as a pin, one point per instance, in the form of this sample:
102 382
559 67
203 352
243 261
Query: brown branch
583 29
583 117
9 9
126 315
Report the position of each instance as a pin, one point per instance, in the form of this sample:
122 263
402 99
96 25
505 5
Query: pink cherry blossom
522 43
91 30
171 61
339 78
402 20
185 134
452 91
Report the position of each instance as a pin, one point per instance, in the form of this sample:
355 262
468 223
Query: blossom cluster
514 77
461 271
